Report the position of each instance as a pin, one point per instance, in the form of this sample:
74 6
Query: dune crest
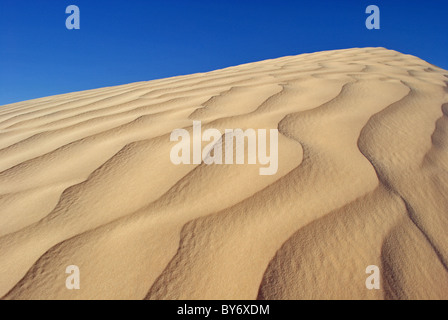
86 180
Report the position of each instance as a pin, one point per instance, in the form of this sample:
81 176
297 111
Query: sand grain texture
86 179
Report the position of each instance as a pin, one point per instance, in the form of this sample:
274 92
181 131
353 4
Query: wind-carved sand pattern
86 179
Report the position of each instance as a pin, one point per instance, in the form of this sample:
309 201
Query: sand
86 180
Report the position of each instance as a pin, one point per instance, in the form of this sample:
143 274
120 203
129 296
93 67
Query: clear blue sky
134 40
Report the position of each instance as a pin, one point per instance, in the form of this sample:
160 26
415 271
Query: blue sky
127 41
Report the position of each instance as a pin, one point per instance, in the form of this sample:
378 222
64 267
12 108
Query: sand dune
86 179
